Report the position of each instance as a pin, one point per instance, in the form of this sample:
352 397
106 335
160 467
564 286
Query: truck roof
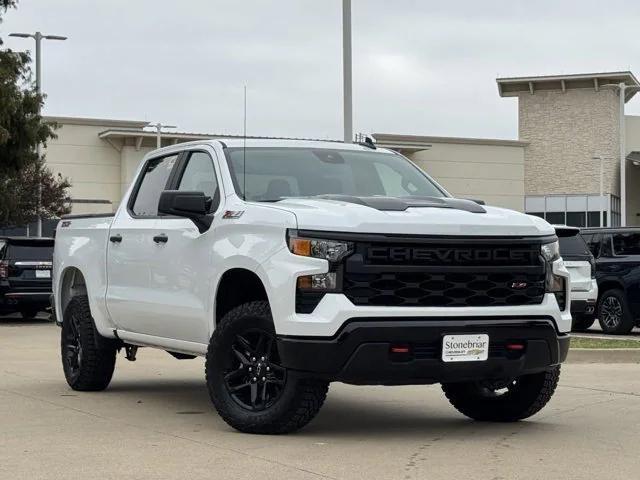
269 142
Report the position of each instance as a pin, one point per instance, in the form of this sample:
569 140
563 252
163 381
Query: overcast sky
420 67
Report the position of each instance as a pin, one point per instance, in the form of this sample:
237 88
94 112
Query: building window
575 210
555 218
594 219
577 219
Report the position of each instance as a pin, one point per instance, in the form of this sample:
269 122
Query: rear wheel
582 322
507 401
88 359
613 313
249 387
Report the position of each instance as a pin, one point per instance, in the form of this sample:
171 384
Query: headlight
332 250
550 251
555 284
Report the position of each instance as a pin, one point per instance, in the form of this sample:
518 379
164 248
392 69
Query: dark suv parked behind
617 253
25 275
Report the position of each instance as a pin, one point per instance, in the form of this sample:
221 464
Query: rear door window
154 181
626 243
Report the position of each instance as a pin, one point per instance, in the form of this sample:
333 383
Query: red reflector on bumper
515 346
399 349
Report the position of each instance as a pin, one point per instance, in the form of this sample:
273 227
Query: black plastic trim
86 215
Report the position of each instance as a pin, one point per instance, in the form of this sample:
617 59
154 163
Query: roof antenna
244 148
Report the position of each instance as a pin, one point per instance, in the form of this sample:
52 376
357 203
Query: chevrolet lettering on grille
444 256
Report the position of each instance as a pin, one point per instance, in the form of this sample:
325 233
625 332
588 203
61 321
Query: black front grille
442 274
443 289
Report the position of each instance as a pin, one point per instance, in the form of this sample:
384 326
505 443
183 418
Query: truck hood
425 216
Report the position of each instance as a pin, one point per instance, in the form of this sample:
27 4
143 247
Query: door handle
161 238
115 238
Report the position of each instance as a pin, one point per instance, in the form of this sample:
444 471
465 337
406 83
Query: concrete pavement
155 422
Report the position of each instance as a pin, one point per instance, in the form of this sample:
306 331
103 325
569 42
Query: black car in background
617 254
25 274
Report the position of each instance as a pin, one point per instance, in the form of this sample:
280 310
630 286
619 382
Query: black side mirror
192 205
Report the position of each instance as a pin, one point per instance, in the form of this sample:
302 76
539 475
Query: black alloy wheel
253 377
72 347
247 381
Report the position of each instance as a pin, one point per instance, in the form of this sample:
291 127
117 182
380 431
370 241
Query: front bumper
360 352
281 271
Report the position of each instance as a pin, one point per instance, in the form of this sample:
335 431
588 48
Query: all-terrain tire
528 395
300 399
92 368
624 322
582 323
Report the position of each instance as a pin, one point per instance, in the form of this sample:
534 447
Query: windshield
276 173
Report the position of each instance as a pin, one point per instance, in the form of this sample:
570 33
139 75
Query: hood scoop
398 204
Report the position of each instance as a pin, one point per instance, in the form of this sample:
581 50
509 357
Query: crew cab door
183 267
131 250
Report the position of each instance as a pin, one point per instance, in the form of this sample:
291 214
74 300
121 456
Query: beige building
478 168
566 121
100 158
549 171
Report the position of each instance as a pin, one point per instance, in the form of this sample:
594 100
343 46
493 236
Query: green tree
22 128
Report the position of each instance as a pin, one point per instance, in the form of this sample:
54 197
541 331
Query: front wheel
507 401
247 384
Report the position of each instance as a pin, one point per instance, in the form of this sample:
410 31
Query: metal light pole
38 36
601 200
159 126
346 70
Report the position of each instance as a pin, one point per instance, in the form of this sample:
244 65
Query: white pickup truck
293 264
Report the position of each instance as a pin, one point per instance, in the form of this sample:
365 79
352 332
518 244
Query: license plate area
465 348
43 273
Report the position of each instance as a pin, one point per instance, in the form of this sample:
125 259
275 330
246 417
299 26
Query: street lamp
622 92
38 36
159 126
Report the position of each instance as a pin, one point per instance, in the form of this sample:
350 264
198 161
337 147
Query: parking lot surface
155 422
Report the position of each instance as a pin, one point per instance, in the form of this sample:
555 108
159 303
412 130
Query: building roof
514 86
97 122
414 143
139 137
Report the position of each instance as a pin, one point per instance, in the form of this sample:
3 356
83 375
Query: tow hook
130 352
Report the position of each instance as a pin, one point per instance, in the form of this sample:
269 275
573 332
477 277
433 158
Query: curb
603 355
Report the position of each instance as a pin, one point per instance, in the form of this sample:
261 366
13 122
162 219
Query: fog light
320 281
